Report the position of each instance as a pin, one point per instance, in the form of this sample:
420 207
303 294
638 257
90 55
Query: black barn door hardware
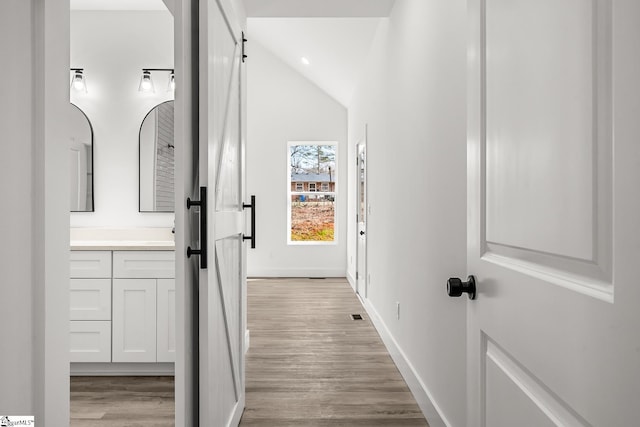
203 227
456 287
252 237
244 40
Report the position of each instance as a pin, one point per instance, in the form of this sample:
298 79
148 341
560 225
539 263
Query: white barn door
222 285
553 202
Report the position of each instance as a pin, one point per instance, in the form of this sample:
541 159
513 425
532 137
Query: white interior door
222 284
361 190
554 157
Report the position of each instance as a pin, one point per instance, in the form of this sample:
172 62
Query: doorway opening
122 333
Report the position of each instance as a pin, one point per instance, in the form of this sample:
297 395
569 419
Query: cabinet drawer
90 341
90 299
90 264
144 264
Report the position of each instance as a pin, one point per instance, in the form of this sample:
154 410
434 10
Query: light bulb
146 84
78 82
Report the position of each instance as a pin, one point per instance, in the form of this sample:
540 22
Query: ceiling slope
336 48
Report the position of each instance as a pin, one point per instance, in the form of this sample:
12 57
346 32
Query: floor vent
356 317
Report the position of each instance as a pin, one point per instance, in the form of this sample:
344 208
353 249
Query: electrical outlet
398 310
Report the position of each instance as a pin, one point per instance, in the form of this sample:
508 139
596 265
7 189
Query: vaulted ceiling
333 35
335 48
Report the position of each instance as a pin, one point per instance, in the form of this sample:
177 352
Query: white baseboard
420 392
247 340
294 272
122 369
351 280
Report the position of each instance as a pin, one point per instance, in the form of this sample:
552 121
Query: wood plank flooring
122 401
309 364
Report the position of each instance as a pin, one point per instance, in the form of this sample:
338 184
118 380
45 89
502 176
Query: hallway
309 364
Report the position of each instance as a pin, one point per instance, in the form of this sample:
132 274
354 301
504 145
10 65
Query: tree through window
312 192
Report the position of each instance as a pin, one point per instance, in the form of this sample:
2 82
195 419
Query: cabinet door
166 324
134 320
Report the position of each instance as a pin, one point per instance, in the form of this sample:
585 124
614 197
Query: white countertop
121 239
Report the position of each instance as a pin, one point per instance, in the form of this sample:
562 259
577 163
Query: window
312 213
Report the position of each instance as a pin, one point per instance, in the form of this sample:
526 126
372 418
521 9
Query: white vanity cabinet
142 281
122 306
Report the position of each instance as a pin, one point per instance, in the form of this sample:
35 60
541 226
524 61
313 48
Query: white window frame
301 185
312 185
314 193
324 185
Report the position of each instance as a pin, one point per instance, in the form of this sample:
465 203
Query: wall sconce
172 82
146 83
78 81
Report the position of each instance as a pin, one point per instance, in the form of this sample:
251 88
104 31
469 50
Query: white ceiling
335 47
318 8
118 5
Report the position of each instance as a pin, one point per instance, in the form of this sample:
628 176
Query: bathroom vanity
122 301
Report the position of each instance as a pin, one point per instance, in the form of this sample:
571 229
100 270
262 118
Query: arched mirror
157 160
81 161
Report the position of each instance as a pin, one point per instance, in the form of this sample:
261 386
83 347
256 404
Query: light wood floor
309 364
122 401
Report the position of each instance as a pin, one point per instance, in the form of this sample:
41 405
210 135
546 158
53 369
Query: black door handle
203 227
252 237
361 233
456 287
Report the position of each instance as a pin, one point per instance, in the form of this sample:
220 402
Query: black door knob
456 287
362 233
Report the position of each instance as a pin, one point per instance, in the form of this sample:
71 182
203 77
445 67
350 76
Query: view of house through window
312 192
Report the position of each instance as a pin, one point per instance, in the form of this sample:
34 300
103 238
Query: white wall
283 106
113 47
34 187
412 96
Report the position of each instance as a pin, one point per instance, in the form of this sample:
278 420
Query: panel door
222 284
553 157
361 248
134 320
166 321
